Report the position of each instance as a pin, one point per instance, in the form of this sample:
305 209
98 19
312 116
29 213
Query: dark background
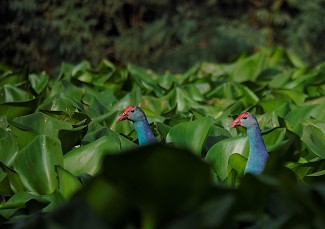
164 35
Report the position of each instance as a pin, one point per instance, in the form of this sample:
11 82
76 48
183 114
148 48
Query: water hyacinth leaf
296 117
106 200
39 123
3 122
18 200
248 69
9 77
13 94
156 105
295 96
145 78
88 158
68 183
72 137
36 164
190 135
237 162
314 138
15 181
15 109
38 81
295 59
105 97
63 103
5 189
219 154
274 137
8 148
151 172
96 131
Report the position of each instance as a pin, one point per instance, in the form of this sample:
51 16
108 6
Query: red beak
122 117
235 123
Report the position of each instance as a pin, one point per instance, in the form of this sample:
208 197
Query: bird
141 125
258 154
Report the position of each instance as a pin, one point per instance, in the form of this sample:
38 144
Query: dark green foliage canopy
162 35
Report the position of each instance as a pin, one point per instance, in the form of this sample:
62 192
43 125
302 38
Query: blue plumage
141 125
258 155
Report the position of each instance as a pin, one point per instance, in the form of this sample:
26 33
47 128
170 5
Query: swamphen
141 125
257 152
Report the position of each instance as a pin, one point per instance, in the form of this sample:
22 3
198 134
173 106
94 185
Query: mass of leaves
67 163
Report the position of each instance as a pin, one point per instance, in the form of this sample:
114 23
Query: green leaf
191 135
8 148
36 164
274 138
11 94
299 115
159 181
15 109
219 154
248 69
295 59
38 81
15 181
25 128
68 183
314 139
88 158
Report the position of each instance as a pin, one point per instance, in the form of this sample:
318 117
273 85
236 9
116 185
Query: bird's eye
132 111
244 117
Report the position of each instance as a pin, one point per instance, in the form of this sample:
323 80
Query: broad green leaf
295 59
96 131
5 189
232 93
61 102
71 138
145 78
219 154
106 200
68 183
15 181
314 138
279 106
159 180
13 78
274 138
38 81
163 130
280 79
36 163
8 148
88 158
15 109
296 96
297 116
12 94
237 162
18 200
27 127
190 135
248 69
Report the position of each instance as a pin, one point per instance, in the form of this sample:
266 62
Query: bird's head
131 113
245 119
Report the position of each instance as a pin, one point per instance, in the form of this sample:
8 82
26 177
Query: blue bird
141 125
258 155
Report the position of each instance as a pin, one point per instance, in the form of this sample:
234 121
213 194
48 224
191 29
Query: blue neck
257 152
145 135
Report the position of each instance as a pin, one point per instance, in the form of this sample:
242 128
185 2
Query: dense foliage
157 34
56 132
